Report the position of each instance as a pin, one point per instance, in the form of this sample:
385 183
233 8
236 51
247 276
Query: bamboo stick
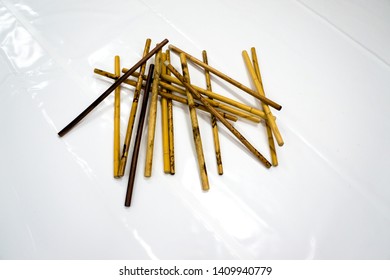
208 93
274 158
268 113
205 102
152 117
171 96
117 114
222 98
93 105
213 120
170 125
197 105
133 112
256 67
164 123
112 76
227 78
137 143
195 128
216 104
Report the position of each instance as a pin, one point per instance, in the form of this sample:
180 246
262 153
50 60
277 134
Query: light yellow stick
171 138
212 110
170 87
226 78
152 117
169 96
197 105
274 158
208 93
216 104
268 113
133 113
220 97
213 120
195 128
164 123
117 115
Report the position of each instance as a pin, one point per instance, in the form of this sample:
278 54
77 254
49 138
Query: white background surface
326 62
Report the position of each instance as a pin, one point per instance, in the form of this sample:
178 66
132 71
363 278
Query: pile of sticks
164 80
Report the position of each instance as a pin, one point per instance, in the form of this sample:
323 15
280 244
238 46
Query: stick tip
166 62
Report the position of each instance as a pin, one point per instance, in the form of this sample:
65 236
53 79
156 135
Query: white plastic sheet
326 62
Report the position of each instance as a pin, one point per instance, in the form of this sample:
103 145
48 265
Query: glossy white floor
326 62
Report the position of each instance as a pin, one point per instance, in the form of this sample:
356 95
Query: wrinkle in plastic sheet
325 200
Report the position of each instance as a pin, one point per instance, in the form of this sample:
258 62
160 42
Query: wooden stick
152 117
195 128
274 158
219 117
208 93
271 142
173 97
268 113
133 112
227 78
170 125
137 143
213 120
197 105
256 67
164 123
222 98
111 89
216 104
117 114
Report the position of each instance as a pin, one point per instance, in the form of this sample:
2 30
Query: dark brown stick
218 116
111 88
137 143
133 112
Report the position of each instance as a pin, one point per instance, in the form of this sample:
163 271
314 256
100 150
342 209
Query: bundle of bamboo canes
169 85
